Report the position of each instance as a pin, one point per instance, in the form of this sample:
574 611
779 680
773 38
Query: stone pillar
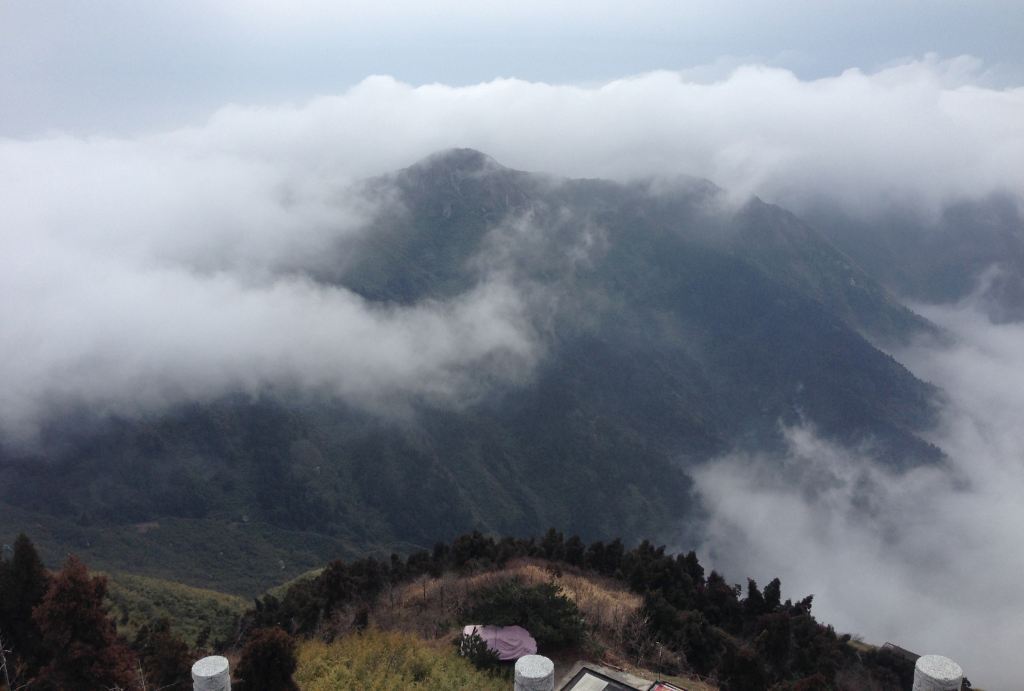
937 673
535 673
211 674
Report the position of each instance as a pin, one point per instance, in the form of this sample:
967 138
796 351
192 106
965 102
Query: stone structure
937 673
211 674
535 673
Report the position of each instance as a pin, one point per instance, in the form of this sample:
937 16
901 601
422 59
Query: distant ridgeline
670 328
640 607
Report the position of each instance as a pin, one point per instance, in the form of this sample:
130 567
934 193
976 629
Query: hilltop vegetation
640 609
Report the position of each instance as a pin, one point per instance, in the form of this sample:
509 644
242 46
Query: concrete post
211 674
535 673
937 673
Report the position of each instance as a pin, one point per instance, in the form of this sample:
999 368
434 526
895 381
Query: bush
476 650
541 609
268 661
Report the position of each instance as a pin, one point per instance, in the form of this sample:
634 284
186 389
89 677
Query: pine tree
73 623
574 550
553 545
754 605
773 595
23 583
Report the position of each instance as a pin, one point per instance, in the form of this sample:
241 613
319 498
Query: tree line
742 638
55 631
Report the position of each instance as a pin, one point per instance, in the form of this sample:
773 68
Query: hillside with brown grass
433 609
641 610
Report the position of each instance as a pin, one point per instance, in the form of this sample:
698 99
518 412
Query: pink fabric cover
510 642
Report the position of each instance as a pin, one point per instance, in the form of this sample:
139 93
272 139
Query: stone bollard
937 673
535 673
211 674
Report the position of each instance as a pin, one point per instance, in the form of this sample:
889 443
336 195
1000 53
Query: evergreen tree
613 556
469 551
396 570
268 661
723 608
773 642
475 649
553 545
773 595
542 609
73 623
23 583
691 565
594 558
741 670
574 550
754 605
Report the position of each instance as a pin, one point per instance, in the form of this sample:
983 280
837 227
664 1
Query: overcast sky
124 67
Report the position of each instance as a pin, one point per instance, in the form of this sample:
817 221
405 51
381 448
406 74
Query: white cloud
141 274
929 559
176 265
915 133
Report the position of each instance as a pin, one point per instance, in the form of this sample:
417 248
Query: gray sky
124 67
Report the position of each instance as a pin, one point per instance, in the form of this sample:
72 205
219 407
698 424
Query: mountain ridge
671 328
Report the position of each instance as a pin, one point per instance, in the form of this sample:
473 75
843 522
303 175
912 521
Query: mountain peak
459 161
457 181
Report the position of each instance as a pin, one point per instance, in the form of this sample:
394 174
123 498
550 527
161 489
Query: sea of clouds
144 270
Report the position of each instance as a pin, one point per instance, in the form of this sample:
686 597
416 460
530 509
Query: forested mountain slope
667 325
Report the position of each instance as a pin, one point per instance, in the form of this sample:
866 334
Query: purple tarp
510 642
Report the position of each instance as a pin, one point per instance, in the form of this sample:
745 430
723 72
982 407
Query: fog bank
178 266
930 559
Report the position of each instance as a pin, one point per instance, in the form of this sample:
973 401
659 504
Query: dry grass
388 660
435 607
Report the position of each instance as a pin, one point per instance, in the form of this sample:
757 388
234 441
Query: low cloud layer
175 266
930 559
916 134
140 275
